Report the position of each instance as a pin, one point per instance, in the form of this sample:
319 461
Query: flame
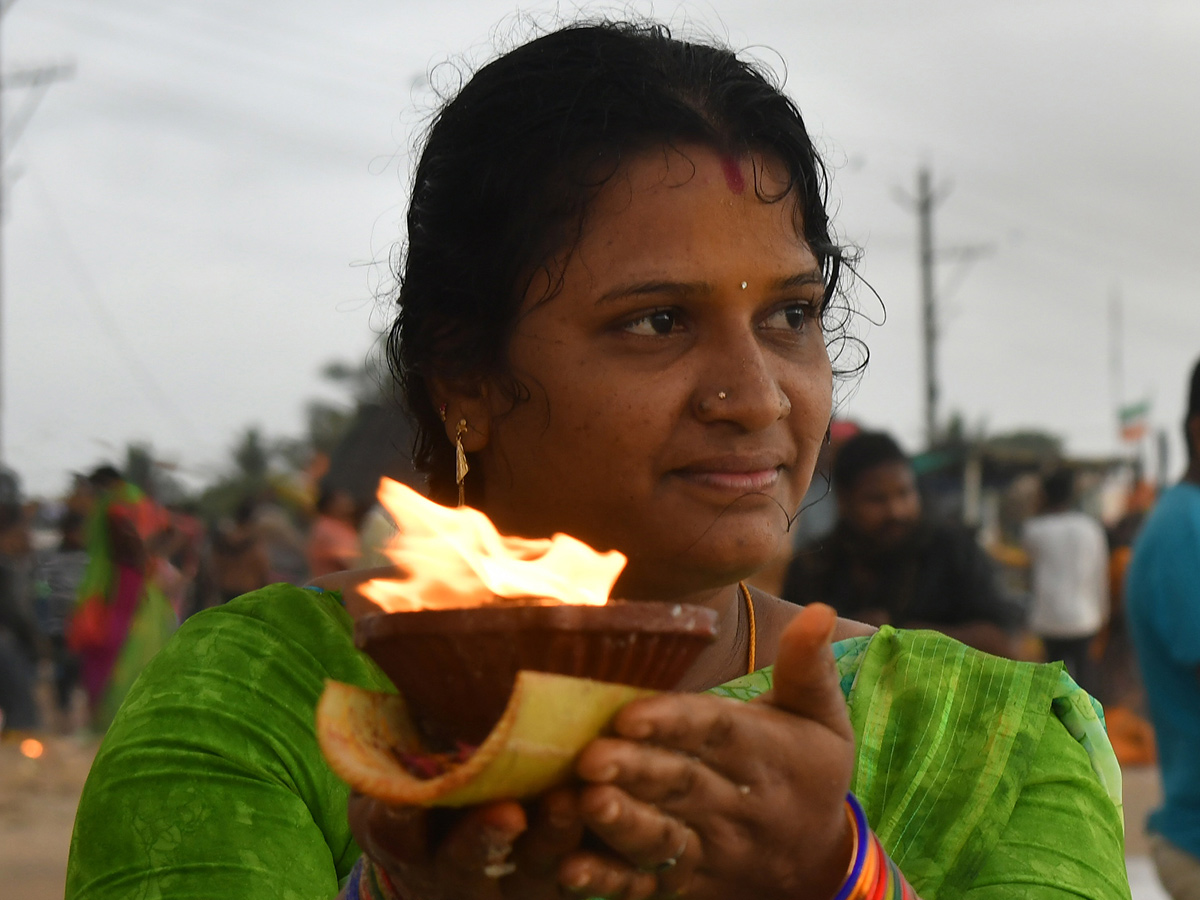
455 558
31 748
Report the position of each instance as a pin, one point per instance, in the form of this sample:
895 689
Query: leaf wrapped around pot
548 721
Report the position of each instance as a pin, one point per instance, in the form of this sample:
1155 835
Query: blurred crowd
93 584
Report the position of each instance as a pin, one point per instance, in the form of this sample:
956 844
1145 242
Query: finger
698 724
388 834
481 844
670 780
640 833
592 875
555 832
806 681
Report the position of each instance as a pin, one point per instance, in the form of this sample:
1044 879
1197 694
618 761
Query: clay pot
456 667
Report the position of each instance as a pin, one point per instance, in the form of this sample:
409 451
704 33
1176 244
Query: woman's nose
737 385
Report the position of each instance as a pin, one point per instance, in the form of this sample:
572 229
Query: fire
31 748
454 558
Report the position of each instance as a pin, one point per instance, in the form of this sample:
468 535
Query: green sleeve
1064 837
210 782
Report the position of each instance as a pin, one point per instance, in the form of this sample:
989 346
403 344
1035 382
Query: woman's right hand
489 852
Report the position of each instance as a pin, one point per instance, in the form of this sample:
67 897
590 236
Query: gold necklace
753 630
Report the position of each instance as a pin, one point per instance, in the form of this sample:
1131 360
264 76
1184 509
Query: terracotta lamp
508 656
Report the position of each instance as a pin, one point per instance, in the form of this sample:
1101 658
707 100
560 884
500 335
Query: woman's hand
747 799
485 853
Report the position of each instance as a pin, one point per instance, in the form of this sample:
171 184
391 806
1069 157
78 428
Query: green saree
210 784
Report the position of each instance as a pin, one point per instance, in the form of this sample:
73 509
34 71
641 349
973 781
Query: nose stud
743 285
721 395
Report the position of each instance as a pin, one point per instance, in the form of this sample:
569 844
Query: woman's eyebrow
800 279
655 287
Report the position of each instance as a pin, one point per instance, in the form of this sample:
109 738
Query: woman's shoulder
774 614
283 637
211 773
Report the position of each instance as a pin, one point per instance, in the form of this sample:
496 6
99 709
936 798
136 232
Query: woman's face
680 385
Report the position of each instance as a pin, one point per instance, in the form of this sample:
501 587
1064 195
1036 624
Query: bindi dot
731 167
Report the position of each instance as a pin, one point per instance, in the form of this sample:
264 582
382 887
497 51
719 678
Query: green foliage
251 458
258 461
1030 443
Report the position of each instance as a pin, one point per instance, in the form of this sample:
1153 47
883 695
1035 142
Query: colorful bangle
368 881
872 875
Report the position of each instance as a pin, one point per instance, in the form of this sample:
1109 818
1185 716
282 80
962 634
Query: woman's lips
731 479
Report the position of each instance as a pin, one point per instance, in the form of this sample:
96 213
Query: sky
205 213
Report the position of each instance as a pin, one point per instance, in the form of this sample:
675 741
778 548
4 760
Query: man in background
1068 560
885 564
1163 602
57 577
239 556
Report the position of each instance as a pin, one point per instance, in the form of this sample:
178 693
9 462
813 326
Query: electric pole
37 81
929 326
923 204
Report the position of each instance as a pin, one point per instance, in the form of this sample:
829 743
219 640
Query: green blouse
972 770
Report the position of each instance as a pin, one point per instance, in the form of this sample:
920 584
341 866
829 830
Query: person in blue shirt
1163 598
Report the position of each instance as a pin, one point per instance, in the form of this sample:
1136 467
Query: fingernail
608 773
576 881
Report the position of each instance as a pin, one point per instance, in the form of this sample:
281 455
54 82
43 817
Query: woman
612 299
123 618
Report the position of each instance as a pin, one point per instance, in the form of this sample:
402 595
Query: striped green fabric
984 779
974 770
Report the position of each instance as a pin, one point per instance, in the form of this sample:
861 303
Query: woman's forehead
693 196
683 212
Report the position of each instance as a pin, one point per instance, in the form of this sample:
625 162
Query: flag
1134 420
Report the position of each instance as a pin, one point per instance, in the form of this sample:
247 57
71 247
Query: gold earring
460 460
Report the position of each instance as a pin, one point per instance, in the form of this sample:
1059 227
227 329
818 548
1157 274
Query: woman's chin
705 566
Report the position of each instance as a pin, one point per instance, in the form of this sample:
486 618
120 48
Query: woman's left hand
748 799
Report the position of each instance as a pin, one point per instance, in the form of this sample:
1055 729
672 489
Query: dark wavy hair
510 164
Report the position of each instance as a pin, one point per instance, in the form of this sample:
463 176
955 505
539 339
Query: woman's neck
725 658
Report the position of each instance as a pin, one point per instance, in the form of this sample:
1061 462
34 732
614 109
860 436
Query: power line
37 81
108 324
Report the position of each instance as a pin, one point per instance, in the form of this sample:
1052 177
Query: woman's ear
469 402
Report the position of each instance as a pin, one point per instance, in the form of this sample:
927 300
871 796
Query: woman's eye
791 318
659 322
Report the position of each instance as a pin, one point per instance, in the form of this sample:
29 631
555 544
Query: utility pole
37 81
929 326
923 204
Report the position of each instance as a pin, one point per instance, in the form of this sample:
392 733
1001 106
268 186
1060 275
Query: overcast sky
203 215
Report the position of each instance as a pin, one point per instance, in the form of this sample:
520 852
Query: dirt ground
37 809
38 799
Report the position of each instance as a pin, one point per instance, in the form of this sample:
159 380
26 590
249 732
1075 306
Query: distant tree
139 466
154 476
367 383
258 461
251 457
1032 443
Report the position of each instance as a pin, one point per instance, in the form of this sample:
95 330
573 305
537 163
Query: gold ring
667 864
